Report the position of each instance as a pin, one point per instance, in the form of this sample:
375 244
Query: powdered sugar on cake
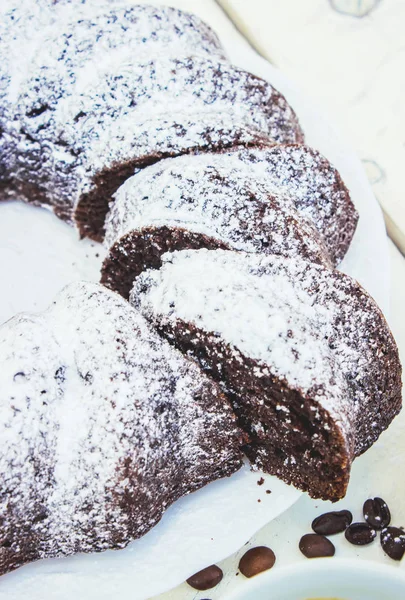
103 426
217 196
136 112
316 188
258 317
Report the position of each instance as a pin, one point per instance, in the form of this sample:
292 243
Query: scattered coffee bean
360 534
393 542
376 513
256 560
313 545
332 522
206 579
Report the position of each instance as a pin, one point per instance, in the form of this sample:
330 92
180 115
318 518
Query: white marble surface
350 56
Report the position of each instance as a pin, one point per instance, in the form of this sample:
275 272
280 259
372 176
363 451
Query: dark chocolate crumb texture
103 425
302 351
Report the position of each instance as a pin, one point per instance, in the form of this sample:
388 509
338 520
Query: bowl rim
372 569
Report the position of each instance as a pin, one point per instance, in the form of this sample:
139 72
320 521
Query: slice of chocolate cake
303 352
103 426
129 114
201 201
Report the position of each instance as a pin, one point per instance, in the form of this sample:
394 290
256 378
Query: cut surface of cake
103 426
303 352
201 201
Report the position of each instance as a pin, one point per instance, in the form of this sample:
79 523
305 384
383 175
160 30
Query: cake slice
103 426
274 199
201 201
303 352
126 115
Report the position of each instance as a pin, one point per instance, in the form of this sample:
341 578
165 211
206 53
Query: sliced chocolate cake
303 352
201 201
103 425
128 115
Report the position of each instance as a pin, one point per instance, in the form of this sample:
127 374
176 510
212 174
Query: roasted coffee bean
360 534
313 545
376 513
206 579
256 560
332 522
393 542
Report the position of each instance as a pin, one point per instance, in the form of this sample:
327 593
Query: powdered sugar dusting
218 196
119 86
314 328
103 426
138 112
39 69
89 30
316 188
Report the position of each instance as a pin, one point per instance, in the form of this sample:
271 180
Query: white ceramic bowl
327 578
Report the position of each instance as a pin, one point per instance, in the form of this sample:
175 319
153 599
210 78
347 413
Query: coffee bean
206 579
376 513
313 545
256 560
332 522
393 542
360 534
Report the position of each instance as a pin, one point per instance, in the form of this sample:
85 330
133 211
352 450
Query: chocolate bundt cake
103 426
201 201
230 228
303 352
93 34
